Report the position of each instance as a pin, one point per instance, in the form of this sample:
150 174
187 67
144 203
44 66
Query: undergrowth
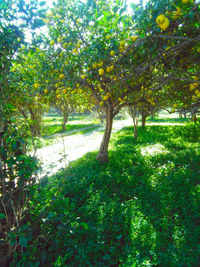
135 210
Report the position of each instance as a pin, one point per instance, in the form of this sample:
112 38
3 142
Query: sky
49 3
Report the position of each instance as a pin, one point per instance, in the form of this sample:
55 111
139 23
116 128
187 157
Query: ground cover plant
139 209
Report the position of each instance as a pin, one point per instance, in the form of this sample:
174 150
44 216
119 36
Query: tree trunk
65 119
103 151
135 121
35 121
143 120
194 117
27 119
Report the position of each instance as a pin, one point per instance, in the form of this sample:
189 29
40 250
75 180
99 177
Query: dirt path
69 148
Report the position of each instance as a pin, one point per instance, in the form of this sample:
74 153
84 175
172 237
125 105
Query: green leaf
23 241
2 216
85 225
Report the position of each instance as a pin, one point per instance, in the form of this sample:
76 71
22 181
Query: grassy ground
52 124
139 209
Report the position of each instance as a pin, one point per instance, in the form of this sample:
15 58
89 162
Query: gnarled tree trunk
103 151
65 119
35 122
133 114
144 116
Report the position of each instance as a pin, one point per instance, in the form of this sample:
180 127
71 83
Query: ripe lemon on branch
101 72
162 22
61 76
112 53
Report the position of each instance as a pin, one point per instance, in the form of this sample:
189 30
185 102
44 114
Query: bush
16 171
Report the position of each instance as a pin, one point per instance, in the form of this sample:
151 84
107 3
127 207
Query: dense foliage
140 209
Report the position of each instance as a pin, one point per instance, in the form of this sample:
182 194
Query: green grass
52 124
168 120
135 210
56 128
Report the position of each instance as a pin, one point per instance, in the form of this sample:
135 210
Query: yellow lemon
100 64
164 25
134 38
59 39
95 65
36 85
112 68
108 69
193 86
101 72
52 42
122 43
83 76
61 76
160 19
45 91
112 53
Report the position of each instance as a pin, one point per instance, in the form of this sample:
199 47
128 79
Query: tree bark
194 117
135 123
65 119
103 151
143 120
35 118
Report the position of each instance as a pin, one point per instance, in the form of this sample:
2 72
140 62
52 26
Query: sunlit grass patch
152 150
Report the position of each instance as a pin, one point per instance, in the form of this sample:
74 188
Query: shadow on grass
132 211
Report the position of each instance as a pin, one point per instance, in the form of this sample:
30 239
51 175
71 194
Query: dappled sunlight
71 147
152 150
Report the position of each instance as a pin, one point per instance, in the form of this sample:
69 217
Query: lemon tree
110 51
